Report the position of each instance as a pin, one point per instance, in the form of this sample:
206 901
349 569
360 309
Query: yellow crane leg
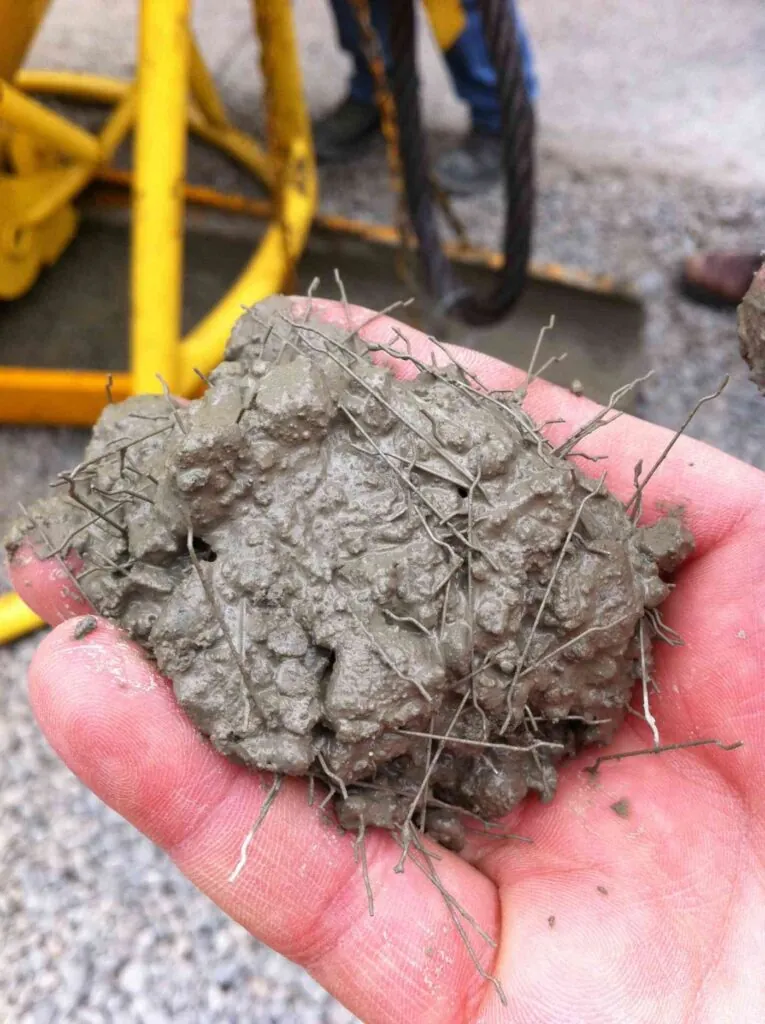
29 116
20 22
16 619
160 148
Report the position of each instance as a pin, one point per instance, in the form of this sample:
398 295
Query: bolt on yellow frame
53 160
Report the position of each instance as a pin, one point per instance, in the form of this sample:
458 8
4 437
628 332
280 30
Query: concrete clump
397 588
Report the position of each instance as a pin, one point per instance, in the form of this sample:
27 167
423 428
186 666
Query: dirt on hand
397 588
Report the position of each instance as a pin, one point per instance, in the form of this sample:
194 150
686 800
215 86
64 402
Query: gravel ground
98 925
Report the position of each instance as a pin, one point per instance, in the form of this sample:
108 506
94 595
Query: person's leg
477 163
340 134
473 74
349 37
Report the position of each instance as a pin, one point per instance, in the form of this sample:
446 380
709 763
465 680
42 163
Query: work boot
718 277
343 133
472 167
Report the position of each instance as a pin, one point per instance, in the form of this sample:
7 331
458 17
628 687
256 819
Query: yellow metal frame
16 620
174 93
53 160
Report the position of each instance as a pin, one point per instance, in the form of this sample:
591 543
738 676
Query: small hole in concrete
203 551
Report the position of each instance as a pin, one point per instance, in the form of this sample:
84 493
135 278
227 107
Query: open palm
653 911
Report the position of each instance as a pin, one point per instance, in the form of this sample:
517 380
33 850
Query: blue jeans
468 61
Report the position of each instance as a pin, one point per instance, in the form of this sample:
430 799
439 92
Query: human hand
656 916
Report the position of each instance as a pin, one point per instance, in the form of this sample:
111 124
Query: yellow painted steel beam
73 180
286 113
20 23
201 195
57 397
16 619
90 88
203 89
293 203
160 156
32 117
447 19
73 85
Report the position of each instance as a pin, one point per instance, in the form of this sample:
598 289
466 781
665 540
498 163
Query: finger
716 491
711 687
48 585
114 721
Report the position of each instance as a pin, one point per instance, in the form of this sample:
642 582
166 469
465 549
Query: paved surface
653 143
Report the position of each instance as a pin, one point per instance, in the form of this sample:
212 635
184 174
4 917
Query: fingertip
78 666
48 585
112 718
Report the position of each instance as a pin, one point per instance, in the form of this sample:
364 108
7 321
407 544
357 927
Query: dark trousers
474 78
